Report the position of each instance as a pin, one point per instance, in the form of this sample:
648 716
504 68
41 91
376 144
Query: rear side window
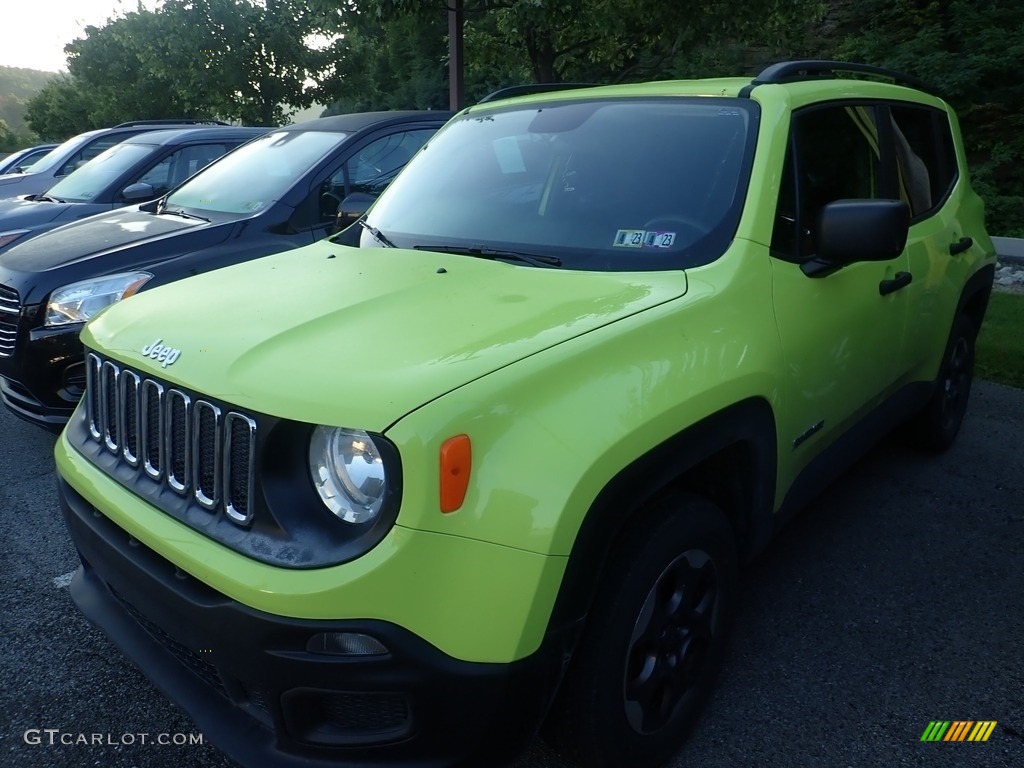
925 157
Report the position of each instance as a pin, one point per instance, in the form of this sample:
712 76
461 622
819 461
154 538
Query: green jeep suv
489 461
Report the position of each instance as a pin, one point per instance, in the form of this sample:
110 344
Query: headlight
77 302
6 238
348 473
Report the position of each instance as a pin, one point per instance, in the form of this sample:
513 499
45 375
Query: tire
654 640
935 428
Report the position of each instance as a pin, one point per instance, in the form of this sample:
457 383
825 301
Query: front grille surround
196 458
181 442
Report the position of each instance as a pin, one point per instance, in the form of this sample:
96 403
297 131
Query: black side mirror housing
137 193
849 231
352 207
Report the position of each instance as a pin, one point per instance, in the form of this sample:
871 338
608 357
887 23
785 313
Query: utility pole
455 54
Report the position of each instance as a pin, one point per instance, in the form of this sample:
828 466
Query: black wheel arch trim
748 425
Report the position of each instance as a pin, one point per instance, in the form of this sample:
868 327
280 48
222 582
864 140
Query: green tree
607 40
971 51
244 60
60 110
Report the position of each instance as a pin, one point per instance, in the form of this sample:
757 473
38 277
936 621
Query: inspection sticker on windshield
630 238
641 238
659 239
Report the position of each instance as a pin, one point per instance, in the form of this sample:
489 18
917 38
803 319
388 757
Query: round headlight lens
348 473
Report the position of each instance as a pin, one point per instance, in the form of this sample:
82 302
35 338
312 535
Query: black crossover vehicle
77 151
279 191
139 168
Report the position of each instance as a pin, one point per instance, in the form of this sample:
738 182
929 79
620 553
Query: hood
361 337
23 211
14 184
95 236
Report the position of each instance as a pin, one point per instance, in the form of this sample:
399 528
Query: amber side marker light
456 463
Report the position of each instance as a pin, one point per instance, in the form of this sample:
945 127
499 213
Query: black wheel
654 639
936 426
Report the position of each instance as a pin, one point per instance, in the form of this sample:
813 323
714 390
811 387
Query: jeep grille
190 445
10 308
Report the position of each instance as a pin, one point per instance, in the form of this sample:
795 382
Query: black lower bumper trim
255 690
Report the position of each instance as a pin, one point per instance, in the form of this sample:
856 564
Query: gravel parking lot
897 599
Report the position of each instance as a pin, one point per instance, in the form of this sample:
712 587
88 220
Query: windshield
609 185
60 154
256 174
93 177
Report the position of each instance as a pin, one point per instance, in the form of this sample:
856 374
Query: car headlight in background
348 472
6 238
80 301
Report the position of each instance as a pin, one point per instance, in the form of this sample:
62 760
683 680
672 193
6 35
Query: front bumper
45 378
248 680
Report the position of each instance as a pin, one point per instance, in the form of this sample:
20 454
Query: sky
34 32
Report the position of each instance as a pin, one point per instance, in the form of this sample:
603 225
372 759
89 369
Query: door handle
901 280
960 246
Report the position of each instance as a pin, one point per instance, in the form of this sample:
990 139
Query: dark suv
77 151
138 169
277 192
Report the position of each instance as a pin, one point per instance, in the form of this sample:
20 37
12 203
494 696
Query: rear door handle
959 247
901 280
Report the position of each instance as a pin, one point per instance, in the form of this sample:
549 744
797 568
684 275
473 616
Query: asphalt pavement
895 600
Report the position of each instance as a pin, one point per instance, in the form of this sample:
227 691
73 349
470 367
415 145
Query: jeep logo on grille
162 353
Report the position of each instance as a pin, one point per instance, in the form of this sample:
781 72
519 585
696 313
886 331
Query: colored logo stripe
982 730
935 730
958 730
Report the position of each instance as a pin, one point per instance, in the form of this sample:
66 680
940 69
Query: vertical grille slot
128 417
239 452
108 404
178 448
206 449
152 417
92 398
10 310
193 447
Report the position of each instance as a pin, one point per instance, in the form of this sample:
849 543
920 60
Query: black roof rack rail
181 121
813 69
526 90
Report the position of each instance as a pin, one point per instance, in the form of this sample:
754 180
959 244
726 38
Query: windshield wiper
47 199
182 214
536 259
377 235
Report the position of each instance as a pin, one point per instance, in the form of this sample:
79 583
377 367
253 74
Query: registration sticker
659 239
630 238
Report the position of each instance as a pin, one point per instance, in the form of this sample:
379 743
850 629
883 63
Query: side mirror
352 207
137 193
849 231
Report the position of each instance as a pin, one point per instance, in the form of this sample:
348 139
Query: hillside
17 86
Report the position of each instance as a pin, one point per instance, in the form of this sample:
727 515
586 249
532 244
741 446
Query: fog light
345 644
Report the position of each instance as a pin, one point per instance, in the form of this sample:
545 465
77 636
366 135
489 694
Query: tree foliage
971 52
244 60
606 40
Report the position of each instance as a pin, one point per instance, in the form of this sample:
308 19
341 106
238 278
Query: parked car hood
93 237
21 212
361 337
